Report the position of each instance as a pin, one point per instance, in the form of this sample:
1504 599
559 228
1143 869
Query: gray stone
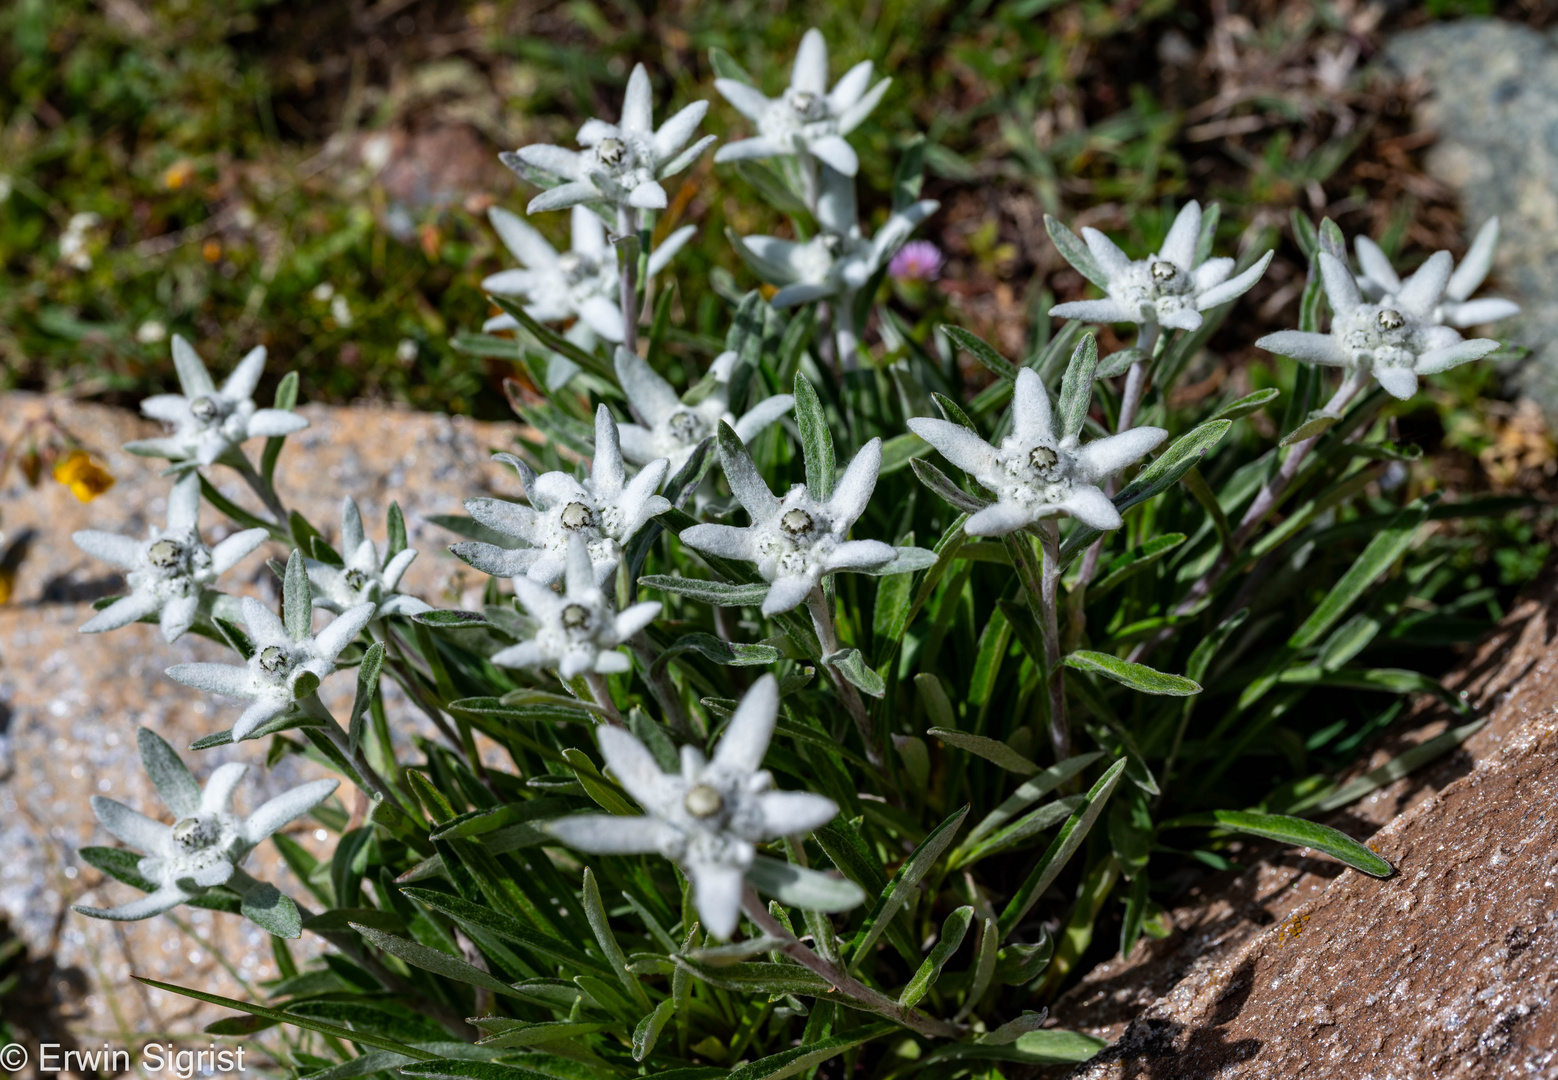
1493 99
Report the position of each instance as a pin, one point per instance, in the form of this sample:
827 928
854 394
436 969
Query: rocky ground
70 703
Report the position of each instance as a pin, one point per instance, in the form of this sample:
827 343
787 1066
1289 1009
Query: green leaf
909 176
989 749
720 651
365 1038
717 593
1389 544
1295 831
608 796
801 1058
1054 1046
758 978
1032 790
903 885
1249 403
434 960
939 483
367 686
264 905
900 450
1314 424
1065 844
1018 964
462 1069
451 620
481 918
551 339
1138 677
514 1034
953 929
803 888
1076 387
1401 765
647 1033
1118 363
1135 914
816 440
178 788
1126 566
297 599
1075 252
1036 821
595 913
851 664
905 560
980 350
529 705
726 67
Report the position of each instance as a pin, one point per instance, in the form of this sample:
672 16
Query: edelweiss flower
208 422
284 669
621 163
796 540
1033 474
806 118
1169 288
204 847
582 284
708 818
169 571
1393 339
364 577
580 630
605 511
677 428
1379 280
839 259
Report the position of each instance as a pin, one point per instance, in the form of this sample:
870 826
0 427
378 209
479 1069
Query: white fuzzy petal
396 568
998 519
1104 457
526 654
1375 266
747 100
608 834
122 612
1182 319
1229 290
261 712
272 423
343 631
1106 253
854 488
286 808
178 615
603 316
786 813
217 796
523 241
1398 382
1092 507
508 518
130 827
674 133
563 164
1436 360
1032 417
634 768
1479 312
726 541
859 555
762 414
810 73
650 394
749 487
1179 247
661 257
835 153
746 738
638 103
184 504
1304 346
717 895
1340 287
121 551
493 560
633 619
855 115
786 593
1099 311
1211 273
1474 268
850 86
194 379
154 903
241 383
802 292
225 679
563 196
1421 293
229 552
648 196
957 444
607 474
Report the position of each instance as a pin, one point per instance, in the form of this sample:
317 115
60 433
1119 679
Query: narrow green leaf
1401 765
516 1034
608 796
717 593
1314 424
903 884
720 651
816 440
799 1059
463 1069
980 350
434 960
953 929
367 686
1032 790
1118 363
1135 913
939 483
1018 964
1389 544
1139 558
759 978
297 599
595 913
551 339
169 775
851 664
910 173
1138 677
1075 252
1076 387
472 915
1249 403
987 748
1295 831
1065 844
647 1033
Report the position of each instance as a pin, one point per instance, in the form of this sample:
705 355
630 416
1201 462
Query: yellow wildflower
85 477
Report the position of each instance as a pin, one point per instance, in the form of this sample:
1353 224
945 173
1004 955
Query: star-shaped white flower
707 818
581 284
207 843
171 570
806 118
622 163
364 576
604 511
1379 280
1170 288
1394 339
796 540
578 631
285 668
1033 474
676 428
839 259
208 422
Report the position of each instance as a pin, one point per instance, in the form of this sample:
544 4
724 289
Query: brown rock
1298 968
70 703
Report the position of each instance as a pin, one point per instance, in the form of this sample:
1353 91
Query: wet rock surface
1493 100
70 703
1297 967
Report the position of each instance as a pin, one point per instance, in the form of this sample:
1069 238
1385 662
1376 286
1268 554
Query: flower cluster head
797 539
918 260
171 570
364 577
208 422
1394 339
838 260
207 843
1455 308
1170 288
580 630
1036 473
708 817
579 285
603 511
807 118
622 163
677 427
288 660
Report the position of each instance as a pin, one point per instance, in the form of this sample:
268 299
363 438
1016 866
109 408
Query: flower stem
367 776
1049 600
600 690
259 485
858 992
627 225
661 685
827 636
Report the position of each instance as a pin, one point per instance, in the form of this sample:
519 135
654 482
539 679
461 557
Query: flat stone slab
1493 100
70 703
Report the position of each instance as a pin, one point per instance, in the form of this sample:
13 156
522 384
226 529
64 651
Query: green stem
827 636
